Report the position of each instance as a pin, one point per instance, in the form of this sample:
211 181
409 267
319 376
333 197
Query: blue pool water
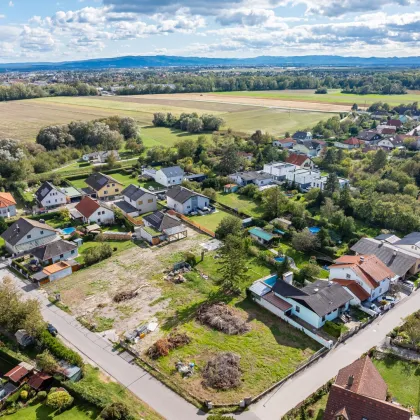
68 231
314 229
271 281
279 259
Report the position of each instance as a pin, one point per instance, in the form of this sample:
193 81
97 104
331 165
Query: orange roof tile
6 200
296 159
354 287
87 206
54 268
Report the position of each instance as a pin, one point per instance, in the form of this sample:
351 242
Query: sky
45 30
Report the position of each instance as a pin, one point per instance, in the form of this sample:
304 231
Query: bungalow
368 271
284 143
261 236
26 234
161 226
53 252
302 161
391 143
104 186
351 143
370 136
310 307
92 211
359 392
395 123
49 196
101 156
169 176
253 177
137 200
7 205
54 272
185 201
302 136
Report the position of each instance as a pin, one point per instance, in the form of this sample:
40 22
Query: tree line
193 123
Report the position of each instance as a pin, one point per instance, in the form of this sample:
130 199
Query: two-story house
104 186
160 226
137 200
185 201
92 211
55 251
27 234
303 161
49 196
368 271
284 143
169 176
7 205
302 136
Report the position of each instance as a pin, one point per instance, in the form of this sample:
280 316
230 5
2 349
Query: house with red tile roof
351 143
359 392
395 123
18 374
367 271
7 205
300 160
93 211
285 143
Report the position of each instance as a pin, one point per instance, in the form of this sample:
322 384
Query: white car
389 299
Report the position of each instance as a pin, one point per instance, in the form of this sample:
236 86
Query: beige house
104 186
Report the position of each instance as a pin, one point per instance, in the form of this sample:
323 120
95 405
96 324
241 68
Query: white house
48 196
101 156
55 251
259 178
169 176
7 205
137 200
367 271
284 143
302 136
185 201
26 234
92 211
392 143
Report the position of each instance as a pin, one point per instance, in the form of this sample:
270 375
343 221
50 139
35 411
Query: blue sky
79 29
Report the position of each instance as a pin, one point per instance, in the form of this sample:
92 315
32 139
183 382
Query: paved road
283 399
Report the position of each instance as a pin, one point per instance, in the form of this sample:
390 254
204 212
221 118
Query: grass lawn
162 136
80 411
120 245
333 96
403 379
210 221
241 203
299 257
269 351
75 166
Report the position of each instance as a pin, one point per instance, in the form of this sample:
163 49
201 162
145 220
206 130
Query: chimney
316 290
362 258
350 380
288 277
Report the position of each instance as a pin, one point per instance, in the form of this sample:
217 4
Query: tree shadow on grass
283 333
188 313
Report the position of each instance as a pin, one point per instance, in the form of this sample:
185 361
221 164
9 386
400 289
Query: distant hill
174 61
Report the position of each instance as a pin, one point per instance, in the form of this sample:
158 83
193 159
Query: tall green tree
233 269
229 225
379 160
230 161
332 185
274 202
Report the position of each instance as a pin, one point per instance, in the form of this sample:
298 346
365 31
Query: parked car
389 299
408 284
52 330
372 307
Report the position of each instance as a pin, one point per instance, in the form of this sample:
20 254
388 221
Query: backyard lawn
210 221
403 379
42 412
241 203
162 136
120 245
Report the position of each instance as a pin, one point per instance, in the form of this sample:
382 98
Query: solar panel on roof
102 181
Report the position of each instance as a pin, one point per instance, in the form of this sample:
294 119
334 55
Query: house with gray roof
49 196
169 176
136 201
185 201
55 251
402 261
259 178
27 234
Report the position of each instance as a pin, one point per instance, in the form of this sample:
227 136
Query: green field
162 136
334 96
119 245
403 379
42 412
126 180
210 221
241 203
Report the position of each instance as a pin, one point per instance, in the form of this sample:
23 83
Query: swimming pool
271 281
279 259
68 231
314 229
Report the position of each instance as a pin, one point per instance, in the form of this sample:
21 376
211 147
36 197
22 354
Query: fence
134 221
192 223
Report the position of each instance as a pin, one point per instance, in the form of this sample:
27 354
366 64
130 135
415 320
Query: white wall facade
9 211
34 238
162 179
145 204
187 207
54 198
60 274
101 216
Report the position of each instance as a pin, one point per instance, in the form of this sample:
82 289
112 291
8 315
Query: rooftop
55 268
98 180
18 230
261 233
6 200
182 194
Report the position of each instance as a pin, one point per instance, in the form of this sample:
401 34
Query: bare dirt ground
249 101
89 293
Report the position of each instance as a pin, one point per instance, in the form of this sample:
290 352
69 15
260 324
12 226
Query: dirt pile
163 346
222 318
223 372
125 295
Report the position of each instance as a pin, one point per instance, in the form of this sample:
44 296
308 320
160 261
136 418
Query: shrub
41 396
59 400
24 395
332 329
189 258
219 417
116 411
98 253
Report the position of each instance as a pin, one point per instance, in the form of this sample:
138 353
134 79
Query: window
348 276
150 201
41 232
113 185
61 255
323 319
108 186
297 309
29 236
103 212
105 192
99 213
72 251
116 189
140 202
